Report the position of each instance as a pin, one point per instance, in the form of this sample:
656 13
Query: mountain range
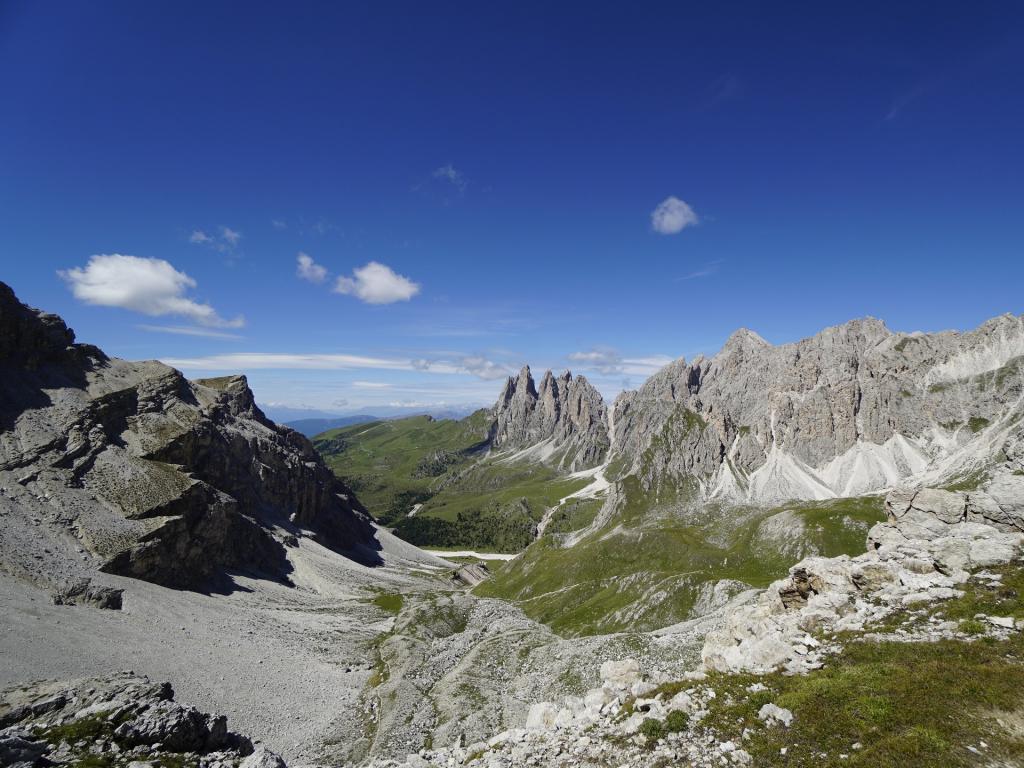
228 552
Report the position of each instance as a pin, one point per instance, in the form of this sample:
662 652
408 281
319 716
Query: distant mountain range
311 421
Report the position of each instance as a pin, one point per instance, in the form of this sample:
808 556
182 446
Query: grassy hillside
656 559
465 498
893 703
395 464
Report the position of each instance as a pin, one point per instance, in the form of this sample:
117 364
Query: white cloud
645 366
150 286
603 359
187 330
473 365
240 361
377 283
483 368
452 175
230 236
279 224
198 236
672 216
608 361
309 269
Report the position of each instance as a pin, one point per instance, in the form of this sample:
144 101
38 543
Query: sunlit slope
657 559
435 483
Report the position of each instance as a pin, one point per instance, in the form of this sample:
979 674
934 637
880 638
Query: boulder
620 674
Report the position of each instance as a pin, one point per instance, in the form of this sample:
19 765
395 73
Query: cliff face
564 420
854 409
130 468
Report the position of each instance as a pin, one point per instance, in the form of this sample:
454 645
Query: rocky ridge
123 721
853 410
129 468
564 421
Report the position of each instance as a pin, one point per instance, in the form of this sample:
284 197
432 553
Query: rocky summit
564 421
853 410
129 468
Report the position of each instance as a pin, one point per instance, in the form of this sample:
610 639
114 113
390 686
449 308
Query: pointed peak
744 339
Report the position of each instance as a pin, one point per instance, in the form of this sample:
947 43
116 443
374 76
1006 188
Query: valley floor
285 664
349 663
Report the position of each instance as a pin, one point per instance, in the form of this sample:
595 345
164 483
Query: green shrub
652 730
972 627
676 721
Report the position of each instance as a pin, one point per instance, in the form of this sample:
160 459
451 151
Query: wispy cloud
279 224
225 241
230 236
722 89
149 286
672 216
904 100
603 359
371 385
309 270
452 175
482 368
608 361
187 330
377 283
292 361
708 269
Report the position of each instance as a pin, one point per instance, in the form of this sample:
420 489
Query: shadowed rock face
129 467
565 411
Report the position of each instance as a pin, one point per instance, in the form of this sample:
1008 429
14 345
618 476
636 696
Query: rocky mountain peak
743 340
850 410
149 474
564 420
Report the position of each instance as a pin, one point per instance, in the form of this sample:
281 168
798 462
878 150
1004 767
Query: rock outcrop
854 409
123 720
930 543
129 468
564 421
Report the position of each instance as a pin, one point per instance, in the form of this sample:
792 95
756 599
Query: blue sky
478 186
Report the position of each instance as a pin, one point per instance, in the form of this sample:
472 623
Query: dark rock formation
130 468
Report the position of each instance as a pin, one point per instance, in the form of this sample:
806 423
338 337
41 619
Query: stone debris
930 542
122 721
82 591
770 713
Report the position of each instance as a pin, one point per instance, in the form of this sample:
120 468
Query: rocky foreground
124 721
933 542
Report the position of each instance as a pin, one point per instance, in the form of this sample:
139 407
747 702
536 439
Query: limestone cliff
130 468
564 420
852 410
